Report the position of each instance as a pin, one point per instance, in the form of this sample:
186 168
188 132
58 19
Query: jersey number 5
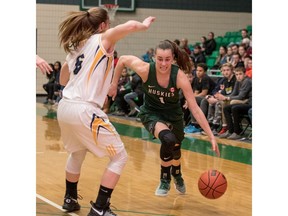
78 64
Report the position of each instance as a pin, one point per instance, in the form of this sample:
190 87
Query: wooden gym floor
134 194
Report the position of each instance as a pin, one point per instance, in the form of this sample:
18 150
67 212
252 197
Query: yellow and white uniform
83 124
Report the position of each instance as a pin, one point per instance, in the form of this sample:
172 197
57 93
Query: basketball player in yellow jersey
86 75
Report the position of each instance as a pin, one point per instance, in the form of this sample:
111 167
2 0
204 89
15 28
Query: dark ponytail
180 55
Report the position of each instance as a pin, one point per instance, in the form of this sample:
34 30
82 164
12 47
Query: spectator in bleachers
241 94
248 66
237 61
124 87
222 57
244 33
136 95
186 112
246 42
198 55
234 114
202 85
234 48
229 54
49 86
203 40
57 95
210 44
242 51
148 56
215 110
193 66
184 45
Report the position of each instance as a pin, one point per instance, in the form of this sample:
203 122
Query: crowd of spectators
217 97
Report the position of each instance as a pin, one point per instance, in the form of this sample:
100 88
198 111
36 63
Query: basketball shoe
71 204
163 188
179 184
106 211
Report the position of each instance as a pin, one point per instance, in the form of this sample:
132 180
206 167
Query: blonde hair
79 26
228 65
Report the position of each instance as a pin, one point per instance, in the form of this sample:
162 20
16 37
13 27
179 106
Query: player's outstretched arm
43 65
184 84
112 35
135 64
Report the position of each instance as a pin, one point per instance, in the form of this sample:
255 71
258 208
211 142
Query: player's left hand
112 91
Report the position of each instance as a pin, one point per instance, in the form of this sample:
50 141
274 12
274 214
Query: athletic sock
71 189
176 170
165 173
103 197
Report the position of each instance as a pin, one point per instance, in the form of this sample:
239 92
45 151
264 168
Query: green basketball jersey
164 101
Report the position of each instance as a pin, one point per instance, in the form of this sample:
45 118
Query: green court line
233 153
228 152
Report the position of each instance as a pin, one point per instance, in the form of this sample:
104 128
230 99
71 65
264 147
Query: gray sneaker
179 184
106 211
234 136
225 135
163 188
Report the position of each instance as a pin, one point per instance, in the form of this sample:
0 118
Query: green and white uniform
162 104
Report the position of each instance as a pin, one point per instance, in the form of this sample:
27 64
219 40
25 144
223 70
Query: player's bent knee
118 162
168 141
74 162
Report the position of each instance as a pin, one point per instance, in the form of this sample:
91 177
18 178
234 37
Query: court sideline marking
54 204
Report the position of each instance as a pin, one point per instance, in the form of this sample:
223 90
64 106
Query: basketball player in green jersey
161 113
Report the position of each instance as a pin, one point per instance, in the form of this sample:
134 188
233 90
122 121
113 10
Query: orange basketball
212 184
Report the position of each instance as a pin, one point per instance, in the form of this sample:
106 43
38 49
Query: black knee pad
177 152
168 141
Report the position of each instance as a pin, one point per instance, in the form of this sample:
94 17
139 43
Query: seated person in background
248 67
246 42
237 61
229 54
57 87
210 44
202 85
184 104
234 114
124 87
148 56
184 45
198 55
203 40
222 57
241 94
135 95
49 86
244 33
215 110
234 48
242 52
